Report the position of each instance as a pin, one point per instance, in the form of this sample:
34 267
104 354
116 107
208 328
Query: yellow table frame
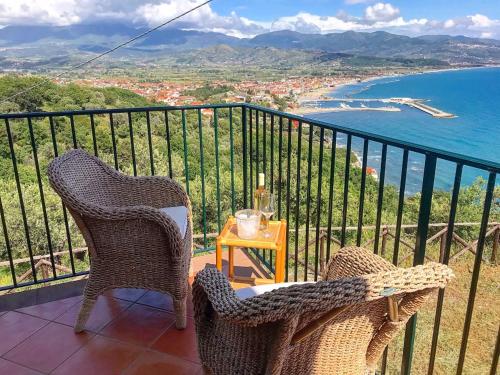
277 242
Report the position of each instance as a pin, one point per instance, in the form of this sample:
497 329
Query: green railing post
420 245
217 168
184 141
245 156
202 172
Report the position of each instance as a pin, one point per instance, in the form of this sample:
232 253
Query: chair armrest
355 261
408 280
135 213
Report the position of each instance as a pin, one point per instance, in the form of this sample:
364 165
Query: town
286 93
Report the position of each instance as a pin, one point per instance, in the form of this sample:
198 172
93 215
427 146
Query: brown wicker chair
337 326
131 242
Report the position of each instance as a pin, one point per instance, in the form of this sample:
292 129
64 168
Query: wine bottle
260 194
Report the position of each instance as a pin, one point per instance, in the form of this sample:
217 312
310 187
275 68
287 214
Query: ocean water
473 95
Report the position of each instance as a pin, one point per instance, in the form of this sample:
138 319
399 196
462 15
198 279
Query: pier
434 112
410 102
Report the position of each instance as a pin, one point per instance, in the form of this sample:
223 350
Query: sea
473 95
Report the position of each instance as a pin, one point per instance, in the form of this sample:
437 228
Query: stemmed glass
266 206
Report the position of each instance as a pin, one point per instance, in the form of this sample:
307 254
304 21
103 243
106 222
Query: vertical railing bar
264 131
264 143
420 245
150 143
94 139
21 200
444 260
297 201
251 158
42 196
346 189
231 146
330 194
132 144
308 199
380 198
318 203
184 142
65 214
401 200
73 131
256 150
113 139
272 156
271 177
202 172
496 353
245 157
280 168
398 235
288 186
476 270
362 193
384 361
7 245
216 134
169 147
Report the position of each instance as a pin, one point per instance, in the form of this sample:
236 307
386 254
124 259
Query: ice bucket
247 223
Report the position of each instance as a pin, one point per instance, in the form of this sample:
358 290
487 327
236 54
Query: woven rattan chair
131 242
337 326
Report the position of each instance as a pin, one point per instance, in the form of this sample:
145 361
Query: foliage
207 91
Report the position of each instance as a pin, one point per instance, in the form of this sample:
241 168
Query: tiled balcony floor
130 331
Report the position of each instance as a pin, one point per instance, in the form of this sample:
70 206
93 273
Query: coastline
320 93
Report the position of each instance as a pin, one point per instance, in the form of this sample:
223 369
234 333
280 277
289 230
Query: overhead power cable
77 66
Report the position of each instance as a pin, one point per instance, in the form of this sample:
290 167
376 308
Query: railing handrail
467 160
490 166
118 110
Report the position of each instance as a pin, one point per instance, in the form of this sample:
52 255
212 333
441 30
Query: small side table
277 242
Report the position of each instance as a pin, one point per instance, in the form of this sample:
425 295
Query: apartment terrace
216 152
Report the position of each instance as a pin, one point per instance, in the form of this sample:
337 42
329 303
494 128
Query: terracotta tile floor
130 331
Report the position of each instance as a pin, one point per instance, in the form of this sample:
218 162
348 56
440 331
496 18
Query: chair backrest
81 179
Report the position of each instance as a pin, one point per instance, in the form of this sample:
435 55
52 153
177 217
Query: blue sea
473 95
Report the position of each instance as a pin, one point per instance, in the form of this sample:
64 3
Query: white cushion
253 291
179 215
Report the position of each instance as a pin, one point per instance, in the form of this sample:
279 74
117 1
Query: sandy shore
316 94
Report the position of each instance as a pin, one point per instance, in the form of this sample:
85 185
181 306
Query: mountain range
30 41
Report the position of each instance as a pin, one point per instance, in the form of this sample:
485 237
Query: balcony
414 209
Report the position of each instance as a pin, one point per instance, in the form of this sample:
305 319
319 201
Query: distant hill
29 41
453 49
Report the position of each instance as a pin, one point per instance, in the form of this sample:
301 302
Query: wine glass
267 207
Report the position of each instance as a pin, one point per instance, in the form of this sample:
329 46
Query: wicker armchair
337 326
131 242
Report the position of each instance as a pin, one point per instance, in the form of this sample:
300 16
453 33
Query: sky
247 18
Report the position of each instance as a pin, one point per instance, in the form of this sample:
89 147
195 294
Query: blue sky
438 9
247 18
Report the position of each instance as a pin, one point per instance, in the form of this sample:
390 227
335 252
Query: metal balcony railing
329 197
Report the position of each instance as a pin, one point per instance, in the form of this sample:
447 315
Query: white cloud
376 16
46 12
381 12
310 23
